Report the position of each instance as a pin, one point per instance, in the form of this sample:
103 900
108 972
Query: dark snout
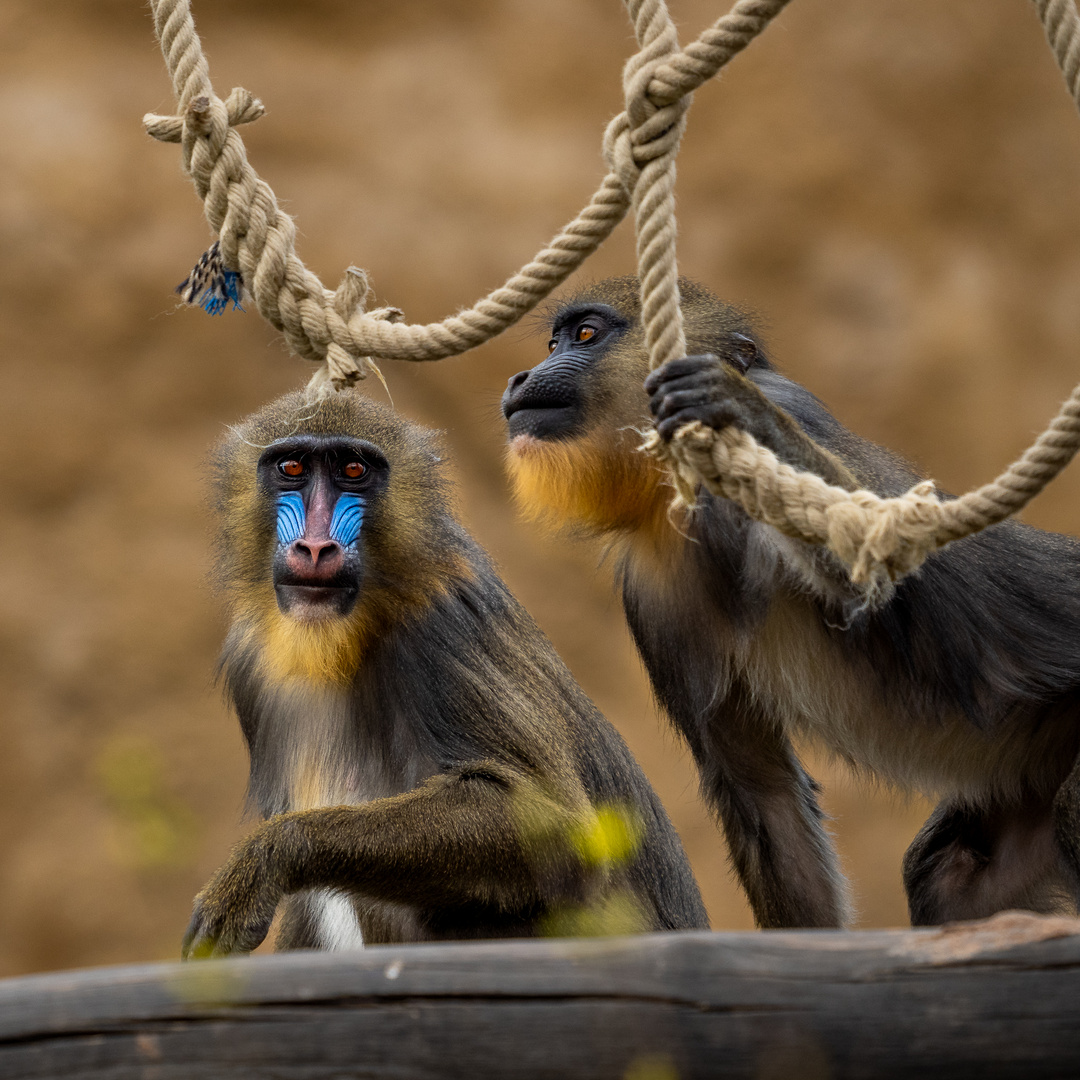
544 402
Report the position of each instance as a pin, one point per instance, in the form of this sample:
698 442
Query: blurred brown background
893 185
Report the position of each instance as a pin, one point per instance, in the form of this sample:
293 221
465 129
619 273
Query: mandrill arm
707 389
485 835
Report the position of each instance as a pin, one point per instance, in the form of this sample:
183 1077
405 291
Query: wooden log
990 1000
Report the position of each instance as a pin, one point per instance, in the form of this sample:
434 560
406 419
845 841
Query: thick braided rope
658 82
258 240
880 540
654 186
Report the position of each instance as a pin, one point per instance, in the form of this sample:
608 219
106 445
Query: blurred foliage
609 840
620 912
652 1067
210 983
613 836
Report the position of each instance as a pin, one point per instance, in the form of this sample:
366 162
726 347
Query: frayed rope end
684 482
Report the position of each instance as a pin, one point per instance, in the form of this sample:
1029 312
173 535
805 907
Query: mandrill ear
743 352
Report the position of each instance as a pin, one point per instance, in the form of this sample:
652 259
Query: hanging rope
880 540
258 240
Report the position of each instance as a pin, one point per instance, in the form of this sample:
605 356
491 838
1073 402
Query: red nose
314 560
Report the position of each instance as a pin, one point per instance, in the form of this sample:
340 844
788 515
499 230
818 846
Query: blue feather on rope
212 286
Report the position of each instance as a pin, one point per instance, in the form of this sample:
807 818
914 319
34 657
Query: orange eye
292 467
586 332
551 345
354 470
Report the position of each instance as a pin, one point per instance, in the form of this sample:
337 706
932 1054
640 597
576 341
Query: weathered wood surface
986 1000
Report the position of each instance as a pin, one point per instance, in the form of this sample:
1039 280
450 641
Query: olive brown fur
428 767
964 685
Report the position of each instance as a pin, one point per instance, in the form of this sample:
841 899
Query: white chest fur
335 917
312 750
318 760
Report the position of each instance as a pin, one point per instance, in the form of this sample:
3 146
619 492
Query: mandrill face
334 523
321 487
591 386
562 397
576 420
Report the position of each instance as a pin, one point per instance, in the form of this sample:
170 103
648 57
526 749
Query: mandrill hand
717 394
707 389
234 912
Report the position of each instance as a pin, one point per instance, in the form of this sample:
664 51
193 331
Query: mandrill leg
968 862
767 803
1066 819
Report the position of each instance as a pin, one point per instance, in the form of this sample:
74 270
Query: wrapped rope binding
211 285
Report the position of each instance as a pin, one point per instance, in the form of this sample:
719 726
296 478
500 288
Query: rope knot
241 107
342 369
650 128
645 131
882 540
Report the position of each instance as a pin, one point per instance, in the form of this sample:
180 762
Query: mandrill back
427 764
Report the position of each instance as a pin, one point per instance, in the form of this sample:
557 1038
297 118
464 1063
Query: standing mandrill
965 684
428 766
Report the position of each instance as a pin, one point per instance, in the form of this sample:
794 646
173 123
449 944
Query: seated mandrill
965 684
428 766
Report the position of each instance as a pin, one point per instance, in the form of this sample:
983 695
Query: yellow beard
325 652
603 484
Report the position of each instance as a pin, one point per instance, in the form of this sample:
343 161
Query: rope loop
618 153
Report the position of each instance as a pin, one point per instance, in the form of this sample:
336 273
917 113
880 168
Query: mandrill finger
676 369
705 382
196 945
697 399
667 428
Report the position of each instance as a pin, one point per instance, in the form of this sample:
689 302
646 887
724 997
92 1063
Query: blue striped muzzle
347 520
290 517
345 524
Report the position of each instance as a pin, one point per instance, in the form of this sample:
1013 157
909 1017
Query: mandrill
964 684
427 766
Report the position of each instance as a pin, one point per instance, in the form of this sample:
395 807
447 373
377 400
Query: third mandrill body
428 767
965 684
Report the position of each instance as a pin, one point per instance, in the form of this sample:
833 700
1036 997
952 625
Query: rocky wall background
894 186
